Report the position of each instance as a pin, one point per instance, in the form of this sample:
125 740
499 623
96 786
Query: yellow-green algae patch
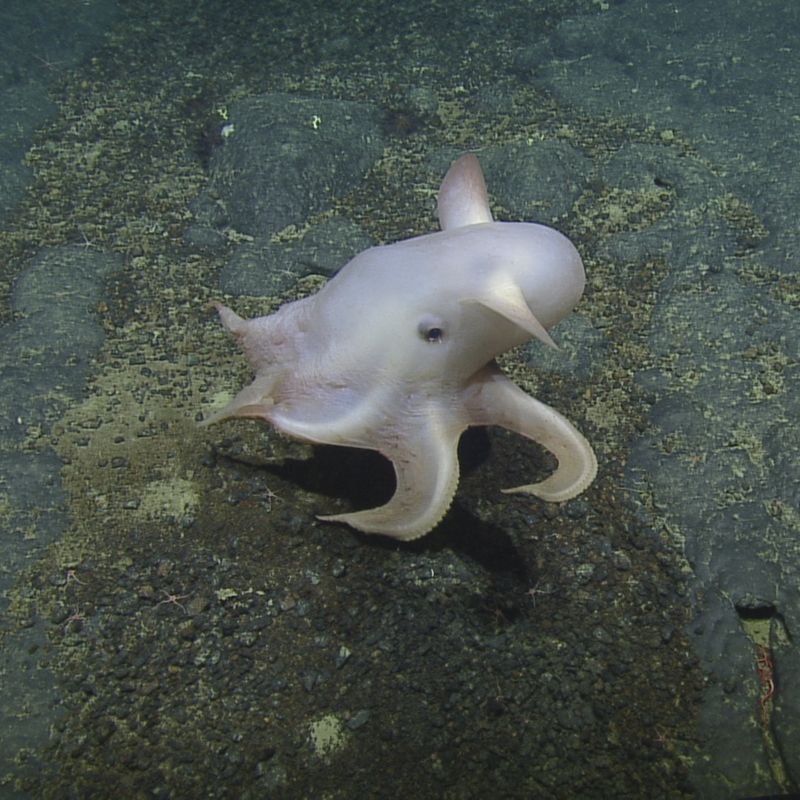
173 497
327 735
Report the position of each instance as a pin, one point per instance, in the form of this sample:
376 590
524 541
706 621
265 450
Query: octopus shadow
357 479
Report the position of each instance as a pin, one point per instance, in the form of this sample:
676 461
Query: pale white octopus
396 354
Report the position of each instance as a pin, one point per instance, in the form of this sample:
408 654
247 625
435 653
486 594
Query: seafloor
176 622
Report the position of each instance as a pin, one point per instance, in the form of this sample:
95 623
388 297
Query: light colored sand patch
327 735
175 497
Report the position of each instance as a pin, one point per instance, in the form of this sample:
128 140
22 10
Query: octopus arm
425 462
495 400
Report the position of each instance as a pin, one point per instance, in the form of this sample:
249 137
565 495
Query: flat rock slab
283 157
719 462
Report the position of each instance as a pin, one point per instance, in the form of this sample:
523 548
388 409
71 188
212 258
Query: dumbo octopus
396 354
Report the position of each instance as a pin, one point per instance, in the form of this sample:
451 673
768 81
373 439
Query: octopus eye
431 329
434 335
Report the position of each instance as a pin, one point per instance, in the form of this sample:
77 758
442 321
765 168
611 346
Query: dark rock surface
44 365
282 158
719 464
177 621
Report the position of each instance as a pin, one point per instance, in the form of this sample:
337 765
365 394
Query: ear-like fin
507 300
463 199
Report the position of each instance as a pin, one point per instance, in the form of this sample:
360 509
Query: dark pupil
434 335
